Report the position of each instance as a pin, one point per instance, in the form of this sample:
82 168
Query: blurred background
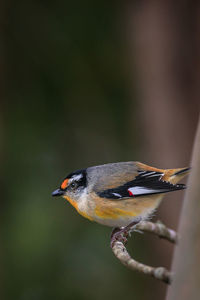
85 83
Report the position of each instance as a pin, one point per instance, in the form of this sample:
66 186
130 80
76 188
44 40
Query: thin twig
158 229
120 251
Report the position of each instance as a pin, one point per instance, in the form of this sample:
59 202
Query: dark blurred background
87 83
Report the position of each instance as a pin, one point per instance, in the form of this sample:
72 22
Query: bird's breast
81 207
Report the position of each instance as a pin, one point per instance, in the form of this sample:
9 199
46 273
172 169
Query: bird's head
72 186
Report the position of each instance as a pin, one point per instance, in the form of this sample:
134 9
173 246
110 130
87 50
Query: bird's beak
57 192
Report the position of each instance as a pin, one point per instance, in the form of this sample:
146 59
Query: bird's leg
114 231
117 234
129 226
121 234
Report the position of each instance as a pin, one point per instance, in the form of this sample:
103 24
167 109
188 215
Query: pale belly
120 213
119 222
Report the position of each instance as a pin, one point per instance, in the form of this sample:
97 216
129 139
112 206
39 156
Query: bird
119 194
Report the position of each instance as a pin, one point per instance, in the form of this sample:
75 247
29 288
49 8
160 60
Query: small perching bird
118 194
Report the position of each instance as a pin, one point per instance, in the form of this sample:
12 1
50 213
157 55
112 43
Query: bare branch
120 251
159 229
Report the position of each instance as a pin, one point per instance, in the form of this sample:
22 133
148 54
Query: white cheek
82 197
83 201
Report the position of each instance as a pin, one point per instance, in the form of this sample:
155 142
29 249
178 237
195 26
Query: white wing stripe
137 190
148 173
151 174
117 195
159 175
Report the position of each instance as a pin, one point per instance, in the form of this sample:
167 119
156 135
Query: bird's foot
121 234
118 235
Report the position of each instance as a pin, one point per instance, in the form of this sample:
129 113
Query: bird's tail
175 175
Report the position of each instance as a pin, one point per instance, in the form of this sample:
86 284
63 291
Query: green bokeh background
68 106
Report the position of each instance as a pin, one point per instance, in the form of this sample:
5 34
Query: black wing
145 183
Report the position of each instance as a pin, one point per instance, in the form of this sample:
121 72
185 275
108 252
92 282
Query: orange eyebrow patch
64 184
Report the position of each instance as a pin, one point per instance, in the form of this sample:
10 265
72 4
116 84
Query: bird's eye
73 185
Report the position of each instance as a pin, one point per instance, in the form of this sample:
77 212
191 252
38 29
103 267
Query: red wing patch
131 194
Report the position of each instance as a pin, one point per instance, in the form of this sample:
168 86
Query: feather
145 183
